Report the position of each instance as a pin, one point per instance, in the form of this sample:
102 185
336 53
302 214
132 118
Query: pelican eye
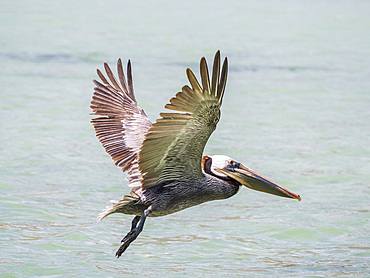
232 164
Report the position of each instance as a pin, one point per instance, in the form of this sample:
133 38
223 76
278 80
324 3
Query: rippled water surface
296 108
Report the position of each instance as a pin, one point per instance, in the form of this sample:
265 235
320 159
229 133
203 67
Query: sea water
296 109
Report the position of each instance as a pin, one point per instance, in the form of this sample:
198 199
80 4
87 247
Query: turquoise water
296 109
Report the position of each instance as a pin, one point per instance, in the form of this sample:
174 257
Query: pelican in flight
163 160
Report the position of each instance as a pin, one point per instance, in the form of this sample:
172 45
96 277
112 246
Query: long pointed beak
255 181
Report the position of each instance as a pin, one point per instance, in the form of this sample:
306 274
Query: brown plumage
164 160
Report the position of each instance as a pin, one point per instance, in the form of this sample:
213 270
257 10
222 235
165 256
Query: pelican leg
133 226
135 231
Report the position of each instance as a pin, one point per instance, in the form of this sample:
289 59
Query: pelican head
225 167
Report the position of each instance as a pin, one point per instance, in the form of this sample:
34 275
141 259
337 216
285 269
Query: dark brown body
178 195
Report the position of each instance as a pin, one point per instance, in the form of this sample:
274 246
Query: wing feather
204 75
188 92
216 72
223 79
122 124
173 146
130 81
112 78
194 82
121 76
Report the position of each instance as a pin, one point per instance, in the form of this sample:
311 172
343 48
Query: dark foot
126 241
129 234
135 231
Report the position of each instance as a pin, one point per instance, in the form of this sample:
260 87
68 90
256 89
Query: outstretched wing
173 146
122 124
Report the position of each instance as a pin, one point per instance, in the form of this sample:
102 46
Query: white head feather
219 162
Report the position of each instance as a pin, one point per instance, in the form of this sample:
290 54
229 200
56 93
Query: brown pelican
163 160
